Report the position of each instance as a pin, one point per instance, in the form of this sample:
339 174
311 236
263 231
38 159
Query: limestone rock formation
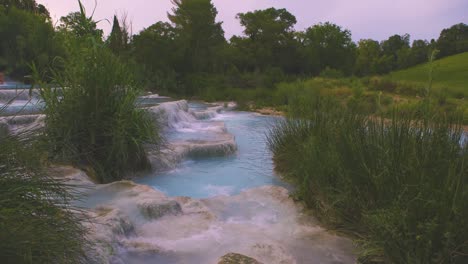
234 258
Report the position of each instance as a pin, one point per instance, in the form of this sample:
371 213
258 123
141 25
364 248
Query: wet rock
171 114
4 130
234 258
22 124
106 227
71 175
157 209
201 149
113 222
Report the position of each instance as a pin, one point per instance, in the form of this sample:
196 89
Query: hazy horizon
422 19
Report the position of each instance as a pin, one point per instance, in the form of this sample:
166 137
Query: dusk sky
376 19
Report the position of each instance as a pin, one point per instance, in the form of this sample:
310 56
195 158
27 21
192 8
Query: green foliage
399 184
96 122
368 58
396 48
420 51
453 40
157 55
118 39
93 120
450 72
269 41
26 5
37 222
199 34
331 73
331 46
80 25
26 38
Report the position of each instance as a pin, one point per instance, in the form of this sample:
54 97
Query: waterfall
194 135
16 125
8 95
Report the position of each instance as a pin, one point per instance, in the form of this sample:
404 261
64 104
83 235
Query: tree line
190 52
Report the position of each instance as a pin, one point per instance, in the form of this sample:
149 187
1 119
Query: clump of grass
400 184
37 223
93 121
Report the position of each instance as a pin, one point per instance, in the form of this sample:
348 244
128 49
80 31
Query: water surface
250 167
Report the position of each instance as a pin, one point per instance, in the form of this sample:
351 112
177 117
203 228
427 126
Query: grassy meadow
450 74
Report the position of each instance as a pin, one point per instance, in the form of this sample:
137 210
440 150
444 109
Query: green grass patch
450 73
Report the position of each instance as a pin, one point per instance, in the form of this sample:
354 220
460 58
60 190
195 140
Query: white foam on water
188 136
215 190
18 94
263 223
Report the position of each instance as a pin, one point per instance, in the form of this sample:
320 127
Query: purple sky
377 19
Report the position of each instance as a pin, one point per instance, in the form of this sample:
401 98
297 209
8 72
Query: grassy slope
450 73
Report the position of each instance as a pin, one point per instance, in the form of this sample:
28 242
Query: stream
251 166
215 193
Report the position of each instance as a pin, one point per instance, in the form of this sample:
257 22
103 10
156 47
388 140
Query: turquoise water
250 167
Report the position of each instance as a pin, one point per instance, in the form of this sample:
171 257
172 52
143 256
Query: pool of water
250 167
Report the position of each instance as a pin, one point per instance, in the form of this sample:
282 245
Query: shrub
331 73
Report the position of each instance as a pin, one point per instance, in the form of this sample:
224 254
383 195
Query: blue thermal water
250 167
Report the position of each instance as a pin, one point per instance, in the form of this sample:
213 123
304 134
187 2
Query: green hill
450 73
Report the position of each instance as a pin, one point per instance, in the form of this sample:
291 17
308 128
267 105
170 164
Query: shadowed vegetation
398 185
37 223
93 121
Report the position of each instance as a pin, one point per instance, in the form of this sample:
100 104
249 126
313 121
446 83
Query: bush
399 184
331 73
93 121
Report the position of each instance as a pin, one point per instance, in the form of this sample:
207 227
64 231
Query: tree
419 52
26 38
269 40
331 46
198 33
75 23
157 52
453 40
367 59
396 49
26 5
118 39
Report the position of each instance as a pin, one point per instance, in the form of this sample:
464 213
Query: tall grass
398 184
93 121
37 223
